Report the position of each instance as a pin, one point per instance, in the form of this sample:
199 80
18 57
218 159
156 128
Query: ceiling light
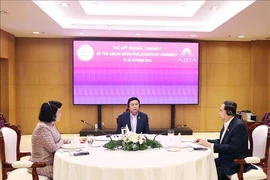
241 36
3 12
217 18
143 8
81 33
64 4
193 35
137 34
214 8
36 32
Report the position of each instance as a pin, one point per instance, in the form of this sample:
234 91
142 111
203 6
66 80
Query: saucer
173 149
72 146
95 145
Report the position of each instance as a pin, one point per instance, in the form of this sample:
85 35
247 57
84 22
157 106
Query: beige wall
7 76
228 70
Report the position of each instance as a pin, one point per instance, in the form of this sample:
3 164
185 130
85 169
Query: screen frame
135 40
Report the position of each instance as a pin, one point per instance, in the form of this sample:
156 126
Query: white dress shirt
133 122
226 125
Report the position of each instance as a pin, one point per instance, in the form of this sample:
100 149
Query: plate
185 145
72 146
95 145
102 138
173 149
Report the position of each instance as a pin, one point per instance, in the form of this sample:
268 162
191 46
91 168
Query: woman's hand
61 142
83 140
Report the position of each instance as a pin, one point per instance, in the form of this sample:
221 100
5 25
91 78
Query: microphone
178 126
107 135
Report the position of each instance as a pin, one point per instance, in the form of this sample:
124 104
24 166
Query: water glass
90 139
170 133
123 130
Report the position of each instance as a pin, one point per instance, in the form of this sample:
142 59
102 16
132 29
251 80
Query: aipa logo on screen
187 56
85 52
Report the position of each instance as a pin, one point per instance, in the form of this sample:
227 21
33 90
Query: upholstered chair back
10 140
259 137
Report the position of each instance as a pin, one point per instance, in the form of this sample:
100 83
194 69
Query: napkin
178 140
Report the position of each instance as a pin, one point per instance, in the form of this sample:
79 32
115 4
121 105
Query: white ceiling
139 19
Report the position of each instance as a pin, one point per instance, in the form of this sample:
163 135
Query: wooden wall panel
109 114
43 76
76 113
213 121
240 94
27 49
159 115
260 104
260 71
27 72
7 58
4 106
51 92
51 73
4 71
260 63
27 119
239 74
215 96
4 41
191 116
203 51
54 50
27 96
217 74
239 52
217 52
227 72
268 76
203 74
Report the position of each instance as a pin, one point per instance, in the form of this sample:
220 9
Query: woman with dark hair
46 139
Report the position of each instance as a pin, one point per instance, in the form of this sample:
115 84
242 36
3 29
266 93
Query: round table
150 164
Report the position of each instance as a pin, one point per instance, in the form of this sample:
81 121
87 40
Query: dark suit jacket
234 145
142 122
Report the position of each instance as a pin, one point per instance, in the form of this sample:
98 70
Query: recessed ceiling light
241 36
81 33
3 12
36 32
214 8
64 4
137 34
193 35
127 9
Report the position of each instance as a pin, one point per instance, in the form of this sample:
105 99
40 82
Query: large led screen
110 72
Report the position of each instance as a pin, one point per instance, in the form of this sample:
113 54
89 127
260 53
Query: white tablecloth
151 164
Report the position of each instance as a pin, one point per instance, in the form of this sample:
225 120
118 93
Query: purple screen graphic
110 72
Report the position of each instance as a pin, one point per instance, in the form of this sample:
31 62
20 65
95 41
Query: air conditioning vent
268 38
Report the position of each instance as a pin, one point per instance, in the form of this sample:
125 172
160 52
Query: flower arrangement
132 142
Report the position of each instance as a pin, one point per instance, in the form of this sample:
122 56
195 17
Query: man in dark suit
135 120
232 143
